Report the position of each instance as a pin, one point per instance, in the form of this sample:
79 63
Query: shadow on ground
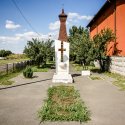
76 75
25 84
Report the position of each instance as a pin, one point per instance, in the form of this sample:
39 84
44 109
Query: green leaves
80 45
40 51
28 73
101 41
4 53
83 50
100 44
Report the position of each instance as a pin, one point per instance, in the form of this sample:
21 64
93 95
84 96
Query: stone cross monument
62 54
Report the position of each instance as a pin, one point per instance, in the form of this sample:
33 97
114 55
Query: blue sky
43 16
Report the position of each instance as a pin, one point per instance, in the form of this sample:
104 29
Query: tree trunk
101 63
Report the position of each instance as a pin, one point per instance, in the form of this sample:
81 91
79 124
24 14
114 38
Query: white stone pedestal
62 68
62 78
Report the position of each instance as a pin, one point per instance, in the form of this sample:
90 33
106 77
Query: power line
14 2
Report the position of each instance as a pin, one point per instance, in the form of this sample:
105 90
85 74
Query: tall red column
62 32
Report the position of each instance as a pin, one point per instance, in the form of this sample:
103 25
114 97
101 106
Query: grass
120 80
95 77
5 78
6 82
14 58
39 69
43 69
78 67
63 104
6 61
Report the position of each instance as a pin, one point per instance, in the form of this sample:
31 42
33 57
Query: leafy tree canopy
83 50
100 43
40 51
5 53
80 45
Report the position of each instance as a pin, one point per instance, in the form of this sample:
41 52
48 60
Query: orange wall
120 22
107 20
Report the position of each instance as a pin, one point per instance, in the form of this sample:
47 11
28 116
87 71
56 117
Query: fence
15 66
118 65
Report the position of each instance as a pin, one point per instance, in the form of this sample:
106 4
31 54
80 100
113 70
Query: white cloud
76 16
11 25
25 37
54 26
9 39
53 35
17 42
72 19
17 37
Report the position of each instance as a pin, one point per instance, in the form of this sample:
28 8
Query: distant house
111 15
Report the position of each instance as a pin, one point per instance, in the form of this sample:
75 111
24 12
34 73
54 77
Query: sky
42 15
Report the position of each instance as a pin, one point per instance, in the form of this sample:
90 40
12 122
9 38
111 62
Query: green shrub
28 73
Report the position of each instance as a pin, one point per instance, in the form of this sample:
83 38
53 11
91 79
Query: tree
80 45
100 43
8 52
5 53
40 51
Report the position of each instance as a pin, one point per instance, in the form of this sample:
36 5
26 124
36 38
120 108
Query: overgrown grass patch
120 80
78 67
95 77
6 82
39 69
44 68
5 78
6 61
63 104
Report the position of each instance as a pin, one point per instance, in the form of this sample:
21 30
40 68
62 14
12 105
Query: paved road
19 104
105 101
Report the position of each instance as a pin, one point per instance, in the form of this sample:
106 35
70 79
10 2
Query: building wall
120 22
107 20
118 65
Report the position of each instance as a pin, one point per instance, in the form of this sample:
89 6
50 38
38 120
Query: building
111 15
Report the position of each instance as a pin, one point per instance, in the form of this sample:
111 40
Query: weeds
63 104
